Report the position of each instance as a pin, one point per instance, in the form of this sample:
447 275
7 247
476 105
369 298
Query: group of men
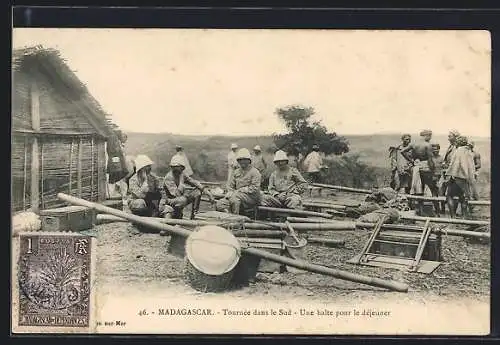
417 165
148 195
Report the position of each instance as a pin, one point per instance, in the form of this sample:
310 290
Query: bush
350 171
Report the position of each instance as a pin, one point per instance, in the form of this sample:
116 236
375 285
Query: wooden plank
79 168
35 125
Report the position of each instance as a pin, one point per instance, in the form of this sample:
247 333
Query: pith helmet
243 154
234 146
177 161
142 161
257 148
280 155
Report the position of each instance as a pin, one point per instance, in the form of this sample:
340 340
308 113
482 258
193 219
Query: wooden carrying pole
342 188
442 198
293 211
331 226
387 284
409 196
447 220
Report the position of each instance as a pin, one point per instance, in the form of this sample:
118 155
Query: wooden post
25 171
70 166
35 125
92 169
79 168
41 175
101 171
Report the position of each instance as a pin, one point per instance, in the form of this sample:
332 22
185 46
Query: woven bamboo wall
20 172
58 170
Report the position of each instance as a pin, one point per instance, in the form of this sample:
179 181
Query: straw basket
212 254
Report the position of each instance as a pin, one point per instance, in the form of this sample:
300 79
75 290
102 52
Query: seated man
243 187
175 195
144 192
286 184
459 177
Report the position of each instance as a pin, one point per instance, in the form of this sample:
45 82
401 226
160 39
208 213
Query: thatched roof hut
58 133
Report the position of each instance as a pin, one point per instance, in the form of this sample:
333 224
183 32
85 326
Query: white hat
257 148
142 161
177 160
243 154
234 146
280 155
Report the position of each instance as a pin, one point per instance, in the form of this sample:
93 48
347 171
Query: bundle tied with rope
212 254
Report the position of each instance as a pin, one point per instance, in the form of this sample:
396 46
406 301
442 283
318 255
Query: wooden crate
404 244
69 218
275 246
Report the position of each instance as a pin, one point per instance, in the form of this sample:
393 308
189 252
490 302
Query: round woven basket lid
213 250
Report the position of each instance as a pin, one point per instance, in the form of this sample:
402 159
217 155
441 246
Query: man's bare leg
451 206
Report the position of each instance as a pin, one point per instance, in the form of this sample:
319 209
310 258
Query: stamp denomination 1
54 280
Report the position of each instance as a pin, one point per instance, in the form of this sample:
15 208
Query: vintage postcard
190 181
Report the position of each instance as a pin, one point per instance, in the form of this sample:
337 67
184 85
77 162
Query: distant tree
303 133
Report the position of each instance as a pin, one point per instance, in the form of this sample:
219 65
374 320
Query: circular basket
212 254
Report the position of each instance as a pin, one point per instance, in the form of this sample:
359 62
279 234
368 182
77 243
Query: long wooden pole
447 220
409 196
442 198
388 284
293 211
342 188
338 225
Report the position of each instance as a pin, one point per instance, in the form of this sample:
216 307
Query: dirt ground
127 257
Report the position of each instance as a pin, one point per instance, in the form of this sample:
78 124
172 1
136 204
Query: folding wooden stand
401 249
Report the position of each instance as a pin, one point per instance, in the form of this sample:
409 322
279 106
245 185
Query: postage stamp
54 274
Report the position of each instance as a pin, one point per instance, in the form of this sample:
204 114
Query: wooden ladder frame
365 253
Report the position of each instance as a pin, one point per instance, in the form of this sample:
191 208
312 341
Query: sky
230 82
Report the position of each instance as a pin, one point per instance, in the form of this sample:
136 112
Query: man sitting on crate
243 188
176 196
144 192
286 184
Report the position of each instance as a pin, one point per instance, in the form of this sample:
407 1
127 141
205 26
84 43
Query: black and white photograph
251 181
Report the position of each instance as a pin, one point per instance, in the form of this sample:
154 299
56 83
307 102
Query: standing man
403 164
286 184
452 136
439 172
313 164
244 186
187 167
424 169
175 195
476 157
260 164
144 189
232 164
459 176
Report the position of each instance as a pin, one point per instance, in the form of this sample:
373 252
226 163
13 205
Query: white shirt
313 162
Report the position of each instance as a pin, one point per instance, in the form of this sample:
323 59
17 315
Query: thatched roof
54 66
